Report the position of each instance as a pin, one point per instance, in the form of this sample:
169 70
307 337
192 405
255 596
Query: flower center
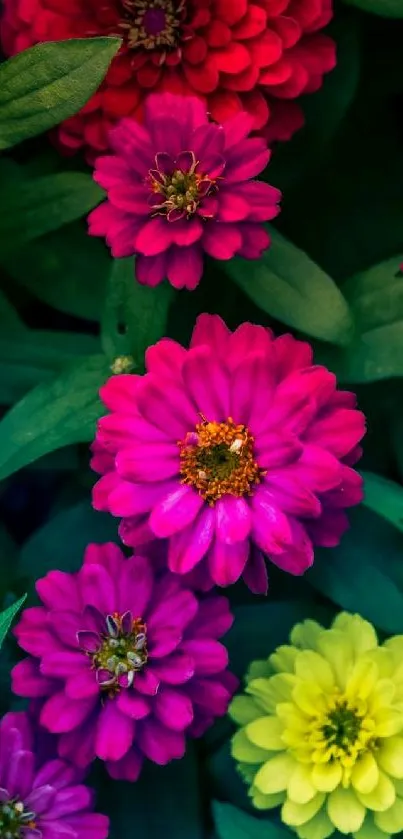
217 459
343 732
177 188
153 24
117 653
14 818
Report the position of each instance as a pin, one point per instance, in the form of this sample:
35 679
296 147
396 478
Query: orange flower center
217 459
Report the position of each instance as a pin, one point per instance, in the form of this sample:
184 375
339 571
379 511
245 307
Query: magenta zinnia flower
236 448
179 186
126 662
41 799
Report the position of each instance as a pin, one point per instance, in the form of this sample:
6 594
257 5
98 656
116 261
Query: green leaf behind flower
135 316
290 287
54 414
7 617
36 206
44 85
385 8
384 497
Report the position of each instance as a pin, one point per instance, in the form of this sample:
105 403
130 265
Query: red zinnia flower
253 55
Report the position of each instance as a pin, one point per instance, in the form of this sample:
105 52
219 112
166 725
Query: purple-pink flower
125 661
180 186
236 449
41 798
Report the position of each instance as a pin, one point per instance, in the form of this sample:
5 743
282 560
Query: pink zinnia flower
41 798
126 662
236 448
179 187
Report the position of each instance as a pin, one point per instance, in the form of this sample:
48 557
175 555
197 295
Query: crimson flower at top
253 55
232 450
180 186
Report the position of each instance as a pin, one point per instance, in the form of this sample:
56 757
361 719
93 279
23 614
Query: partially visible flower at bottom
125 661
321 731
41 799
180 187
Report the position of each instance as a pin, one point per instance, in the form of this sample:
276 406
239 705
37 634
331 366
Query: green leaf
175 808
363 573
66 269
376 300
44 85
232 823
61 542
54 414
135 316
31 356
41 205
7 617
385 8
9 316
290 287
384 497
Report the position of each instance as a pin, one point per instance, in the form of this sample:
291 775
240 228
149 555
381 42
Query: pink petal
175 669
147 682
167 409
97 588
62 714
178 509
339 432
136 499
222 241
126 769
252 391
160 744
63 664
274 449
174 610
151 270
114 733
255 573
154 237
189 546
120 393
213 618
317 468
163 641
82 685
271 529
165 358
329 528
212 331
208 655
57 589
133 705
233 519
292 496
173 709
247 160
297 558
185 266
134 586
249 338
148 462
28 681
207 383
227 562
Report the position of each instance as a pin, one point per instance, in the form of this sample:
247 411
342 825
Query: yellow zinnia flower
321 731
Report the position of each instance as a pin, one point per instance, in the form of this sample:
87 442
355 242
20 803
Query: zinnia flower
180 186
253 55
321 727
41 799
126 663
234 448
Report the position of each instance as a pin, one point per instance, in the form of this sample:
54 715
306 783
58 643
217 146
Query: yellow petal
266 802
382 695
296 814
275 774
362 680
337 650
248 771
243 710
326 776
390 756
242 749
345 811
365 774
391 821
309 698
301 789
320 827
305 635
312 667
278 689
361 633
266 732
283 659
382 796
388 723
259 669
369 830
